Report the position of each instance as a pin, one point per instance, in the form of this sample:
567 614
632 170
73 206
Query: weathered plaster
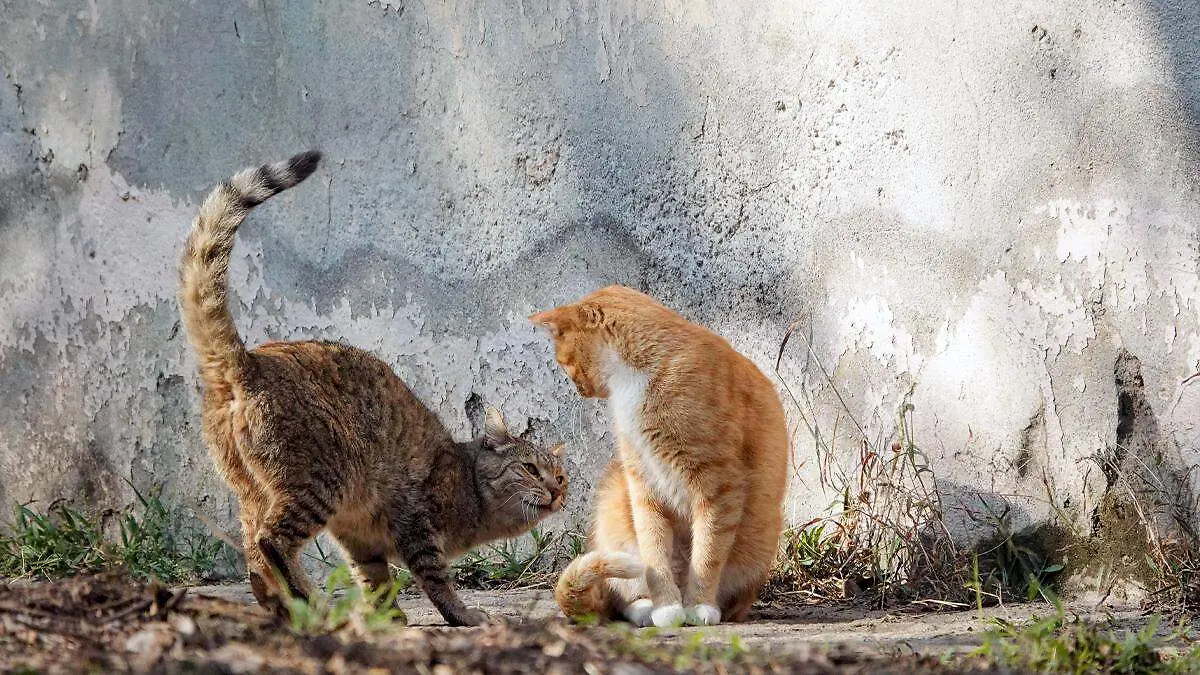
975 210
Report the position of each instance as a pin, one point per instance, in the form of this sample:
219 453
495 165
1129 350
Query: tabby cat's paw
668 616
470 617
703 615
638 612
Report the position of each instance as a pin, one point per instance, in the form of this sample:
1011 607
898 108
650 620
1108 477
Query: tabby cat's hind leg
262 584
285 528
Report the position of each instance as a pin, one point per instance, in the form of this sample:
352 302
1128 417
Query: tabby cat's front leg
425 560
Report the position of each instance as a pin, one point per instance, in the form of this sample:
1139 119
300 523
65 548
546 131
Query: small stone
238 659
147 646
183 624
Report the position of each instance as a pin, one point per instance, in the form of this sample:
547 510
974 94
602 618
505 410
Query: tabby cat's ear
494 428
557 450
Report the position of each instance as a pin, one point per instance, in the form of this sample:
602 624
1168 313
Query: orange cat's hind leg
740 586
737 608
614 532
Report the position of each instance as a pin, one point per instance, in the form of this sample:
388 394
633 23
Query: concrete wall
988 211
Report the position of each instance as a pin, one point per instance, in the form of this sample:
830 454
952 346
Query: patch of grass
56 543
1176 574
815 563
694 651
532 561
346 606
151 546
1011 565
1056 644
61 541
1149 541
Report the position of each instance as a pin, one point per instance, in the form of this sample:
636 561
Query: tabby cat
689 513
314 435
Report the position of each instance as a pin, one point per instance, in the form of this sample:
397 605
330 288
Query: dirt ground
106 623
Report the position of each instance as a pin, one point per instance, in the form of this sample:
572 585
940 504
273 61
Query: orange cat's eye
559 479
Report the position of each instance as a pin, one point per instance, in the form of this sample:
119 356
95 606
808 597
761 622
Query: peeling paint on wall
975 212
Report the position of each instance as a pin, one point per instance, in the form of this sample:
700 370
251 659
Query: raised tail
582 588
204 270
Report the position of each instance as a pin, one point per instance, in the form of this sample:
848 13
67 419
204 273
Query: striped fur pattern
205 269
316 436
697 486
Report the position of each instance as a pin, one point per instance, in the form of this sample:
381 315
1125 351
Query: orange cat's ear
494 428
552 319
557 450
561 319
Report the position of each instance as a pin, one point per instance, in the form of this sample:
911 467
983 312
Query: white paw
638 612
703 615
668 616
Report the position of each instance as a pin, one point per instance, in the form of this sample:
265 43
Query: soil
107 623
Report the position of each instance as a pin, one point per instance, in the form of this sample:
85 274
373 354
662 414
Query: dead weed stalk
886 535
1161 549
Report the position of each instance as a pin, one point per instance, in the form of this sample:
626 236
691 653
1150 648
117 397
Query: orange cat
689 514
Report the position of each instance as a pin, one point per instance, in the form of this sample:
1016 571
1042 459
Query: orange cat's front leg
715 522
655 537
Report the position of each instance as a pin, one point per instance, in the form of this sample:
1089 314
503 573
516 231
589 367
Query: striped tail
204 270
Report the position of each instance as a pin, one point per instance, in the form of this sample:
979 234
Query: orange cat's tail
204 271
582 588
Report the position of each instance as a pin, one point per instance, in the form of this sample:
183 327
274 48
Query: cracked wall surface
989 213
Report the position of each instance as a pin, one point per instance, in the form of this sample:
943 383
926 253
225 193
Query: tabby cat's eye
530 468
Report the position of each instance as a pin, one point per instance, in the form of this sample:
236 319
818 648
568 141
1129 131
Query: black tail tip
303 164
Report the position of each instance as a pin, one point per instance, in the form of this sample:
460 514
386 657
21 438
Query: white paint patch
626 397
85 123
861 298
869 322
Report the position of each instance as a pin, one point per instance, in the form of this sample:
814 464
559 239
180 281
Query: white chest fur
626 398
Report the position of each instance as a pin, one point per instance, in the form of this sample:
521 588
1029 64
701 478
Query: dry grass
1160 555
530 561
886 535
